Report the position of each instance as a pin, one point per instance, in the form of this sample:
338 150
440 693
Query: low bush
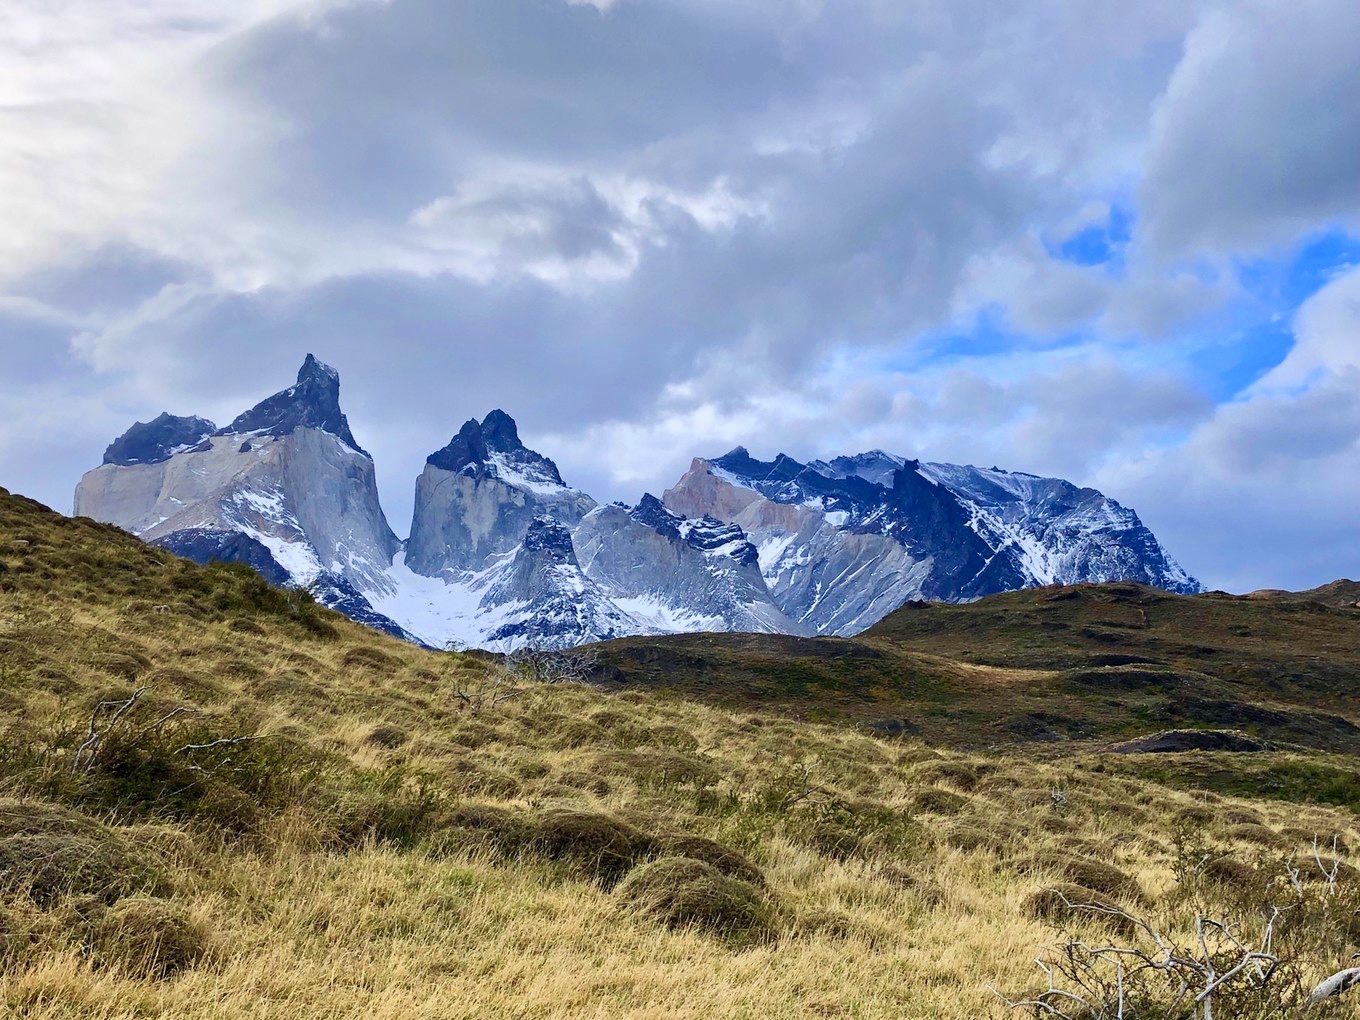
729 861
681 892
598 844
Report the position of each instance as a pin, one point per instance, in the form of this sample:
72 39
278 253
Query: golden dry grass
900 875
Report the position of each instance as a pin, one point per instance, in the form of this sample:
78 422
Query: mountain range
502 552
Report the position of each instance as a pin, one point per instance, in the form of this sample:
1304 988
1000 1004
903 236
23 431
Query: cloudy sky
1114 242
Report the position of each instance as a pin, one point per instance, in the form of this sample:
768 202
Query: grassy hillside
218 800
1093 663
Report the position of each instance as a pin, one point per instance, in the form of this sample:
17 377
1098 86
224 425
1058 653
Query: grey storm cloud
1257 135
650 225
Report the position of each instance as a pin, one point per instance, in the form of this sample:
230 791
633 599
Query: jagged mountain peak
468 446
706 533
158 440
654 514
484 511
500 432
492 447
311 402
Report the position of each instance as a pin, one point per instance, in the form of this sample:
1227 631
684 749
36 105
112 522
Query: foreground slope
298 817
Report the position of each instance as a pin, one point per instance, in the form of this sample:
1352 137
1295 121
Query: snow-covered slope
843 543
1059 533
504 552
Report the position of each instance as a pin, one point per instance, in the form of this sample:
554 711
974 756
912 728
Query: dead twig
88 751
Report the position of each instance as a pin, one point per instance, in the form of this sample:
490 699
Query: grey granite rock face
293 481
477 497
681 574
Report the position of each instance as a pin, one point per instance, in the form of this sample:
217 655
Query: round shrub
148 937
730 862
934 801
482 827
603 846
1097 876
681 892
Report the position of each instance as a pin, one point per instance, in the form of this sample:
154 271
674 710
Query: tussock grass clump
14 938
970 834
148 937
482 828
846 830
682 892
1254 833
48 853
128 665
1098 876
1230 871
365 657
595 843
957 774
727 860
1059 905
386 736
935 801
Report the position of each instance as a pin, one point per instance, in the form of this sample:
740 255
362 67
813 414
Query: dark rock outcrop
158 440
312 402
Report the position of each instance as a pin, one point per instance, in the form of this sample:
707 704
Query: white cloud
1264 492
1257 136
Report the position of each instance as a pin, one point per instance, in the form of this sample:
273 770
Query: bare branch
89 749
224 742
1341 981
